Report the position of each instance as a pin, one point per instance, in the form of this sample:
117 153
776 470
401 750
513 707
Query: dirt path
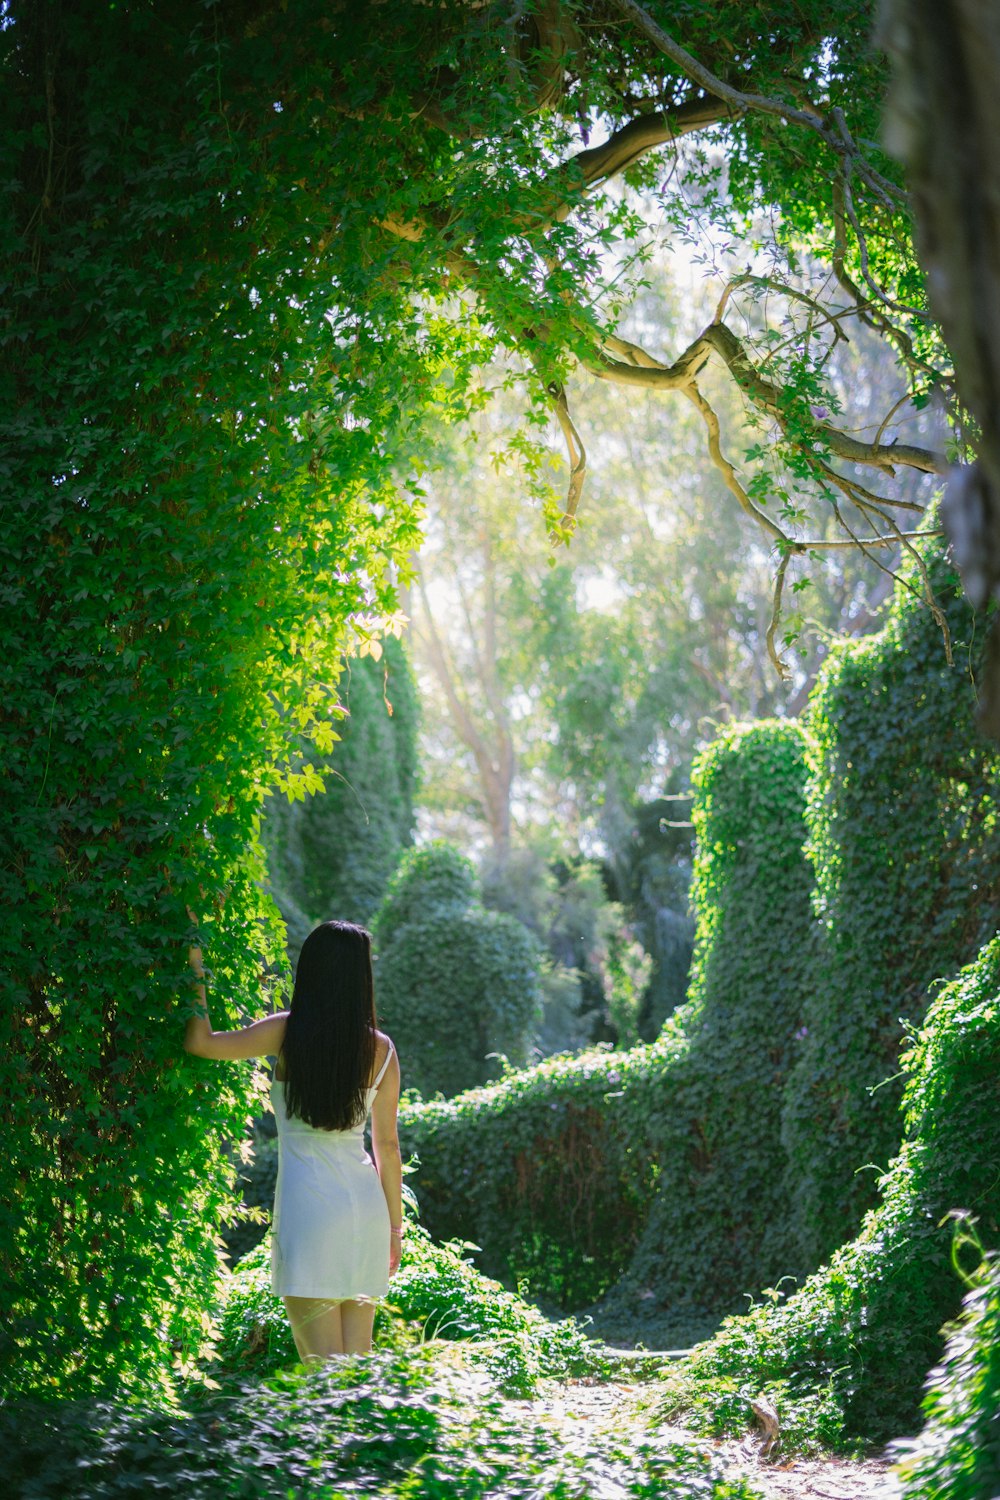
584 1407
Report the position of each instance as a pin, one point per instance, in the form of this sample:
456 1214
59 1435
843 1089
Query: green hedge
552 1172
842 868
717 1225
905 842
846 1355
188 547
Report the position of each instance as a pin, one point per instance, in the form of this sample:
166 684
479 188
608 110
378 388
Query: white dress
330 1232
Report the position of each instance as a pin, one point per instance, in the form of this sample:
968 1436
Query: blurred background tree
332 853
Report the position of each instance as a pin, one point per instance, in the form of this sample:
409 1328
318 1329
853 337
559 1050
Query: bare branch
576 452
771 283
767 396
641 369
448 678
779 583
726 469
495 779
597 164
843 544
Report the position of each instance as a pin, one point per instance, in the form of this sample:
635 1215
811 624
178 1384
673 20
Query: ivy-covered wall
717 1223
853 1345
186 552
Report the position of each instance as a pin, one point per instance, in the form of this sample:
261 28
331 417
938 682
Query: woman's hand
395 1250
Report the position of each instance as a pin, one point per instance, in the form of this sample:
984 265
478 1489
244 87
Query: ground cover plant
437 1294
398 1425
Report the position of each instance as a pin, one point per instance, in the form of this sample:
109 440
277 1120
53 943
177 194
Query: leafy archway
246 246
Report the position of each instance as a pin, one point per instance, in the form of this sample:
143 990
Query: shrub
905 843
553 1171
957 1456
549 1172
841 869
436 1294
565 904
455 983
859 1335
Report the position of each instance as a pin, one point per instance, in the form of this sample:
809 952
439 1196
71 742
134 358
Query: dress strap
381 1071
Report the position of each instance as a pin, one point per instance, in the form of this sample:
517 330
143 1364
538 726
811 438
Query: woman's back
290 1124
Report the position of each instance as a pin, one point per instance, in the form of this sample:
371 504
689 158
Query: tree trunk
943 121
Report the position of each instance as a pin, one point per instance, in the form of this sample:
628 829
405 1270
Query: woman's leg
316 1328
356 1321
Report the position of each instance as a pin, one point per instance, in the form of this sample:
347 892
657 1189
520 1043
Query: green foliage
185 556
436 1294
215 354
553 1171
957 1456
718 1221
331 854
594 967
549 1171
457 985
399 1425
840 871
846 1354
905 843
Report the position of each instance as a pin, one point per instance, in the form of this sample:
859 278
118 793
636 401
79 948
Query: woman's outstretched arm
259 1039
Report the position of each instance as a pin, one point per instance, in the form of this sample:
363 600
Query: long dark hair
329 1049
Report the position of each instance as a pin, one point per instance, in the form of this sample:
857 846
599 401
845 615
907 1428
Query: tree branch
575 450
832 130
766 395
772 650
726 469
597 164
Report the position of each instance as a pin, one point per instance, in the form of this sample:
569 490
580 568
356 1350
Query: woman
337 1230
